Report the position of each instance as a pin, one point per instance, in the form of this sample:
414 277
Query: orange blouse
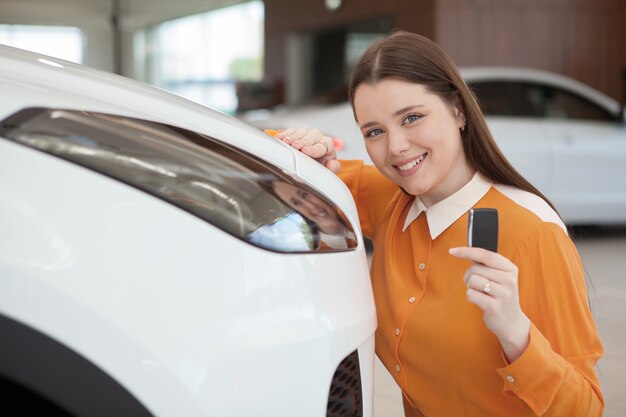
435 343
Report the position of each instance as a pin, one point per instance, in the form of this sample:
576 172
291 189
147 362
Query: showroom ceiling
132 13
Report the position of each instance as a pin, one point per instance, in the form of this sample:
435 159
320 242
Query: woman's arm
492 285
554 374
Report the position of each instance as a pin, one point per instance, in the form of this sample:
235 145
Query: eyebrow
396 113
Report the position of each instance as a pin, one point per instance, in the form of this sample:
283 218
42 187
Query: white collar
442 214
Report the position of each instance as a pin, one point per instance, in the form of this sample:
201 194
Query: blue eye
373 132
411 118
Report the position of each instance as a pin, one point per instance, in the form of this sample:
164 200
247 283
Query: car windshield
239 193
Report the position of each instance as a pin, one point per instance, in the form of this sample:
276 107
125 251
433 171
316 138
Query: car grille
345 398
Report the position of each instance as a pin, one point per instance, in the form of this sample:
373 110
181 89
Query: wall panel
584 39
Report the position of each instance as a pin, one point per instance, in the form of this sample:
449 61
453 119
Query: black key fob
482 229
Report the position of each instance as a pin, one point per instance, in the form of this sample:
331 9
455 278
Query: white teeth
411 164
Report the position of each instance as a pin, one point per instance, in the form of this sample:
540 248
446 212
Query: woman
332 232
464 331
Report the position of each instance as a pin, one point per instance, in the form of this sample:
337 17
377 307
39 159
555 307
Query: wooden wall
585 39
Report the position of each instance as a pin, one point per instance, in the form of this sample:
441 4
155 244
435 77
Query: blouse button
397 368
411 299
510 378
422 266
397 331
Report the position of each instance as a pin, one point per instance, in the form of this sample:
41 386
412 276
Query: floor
387 396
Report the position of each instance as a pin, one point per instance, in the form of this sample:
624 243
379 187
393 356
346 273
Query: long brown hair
417 59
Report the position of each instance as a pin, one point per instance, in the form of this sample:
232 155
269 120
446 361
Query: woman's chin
413 187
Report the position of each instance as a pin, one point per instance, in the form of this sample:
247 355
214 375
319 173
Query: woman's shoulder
357 174
527 221
529 208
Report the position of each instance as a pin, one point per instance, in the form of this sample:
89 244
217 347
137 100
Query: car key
482 228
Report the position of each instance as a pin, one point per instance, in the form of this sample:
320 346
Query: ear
460 116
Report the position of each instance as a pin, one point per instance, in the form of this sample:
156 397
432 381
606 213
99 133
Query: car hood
33 80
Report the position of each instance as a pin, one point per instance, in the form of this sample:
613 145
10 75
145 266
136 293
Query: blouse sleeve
556 375
372 192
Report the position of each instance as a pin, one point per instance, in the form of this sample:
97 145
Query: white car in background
151 263
568 139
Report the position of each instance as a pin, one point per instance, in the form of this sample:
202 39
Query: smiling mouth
320 213
411 164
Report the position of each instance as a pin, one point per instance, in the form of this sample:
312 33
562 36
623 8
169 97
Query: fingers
484 301
301 137
317 150
314 143
492 285
284 133
492 274
485 257
330 162
484 293
484 285
333 165
486 280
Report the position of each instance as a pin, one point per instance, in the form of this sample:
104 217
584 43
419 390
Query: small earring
463 128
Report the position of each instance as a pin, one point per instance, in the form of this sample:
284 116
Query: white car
152 262
568 139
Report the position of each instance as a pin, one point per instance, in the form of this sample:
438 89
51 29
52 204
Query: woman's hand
314 143
492 285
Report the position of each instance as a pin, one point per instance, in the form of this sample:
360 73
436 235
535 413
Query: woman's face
413 137
309 206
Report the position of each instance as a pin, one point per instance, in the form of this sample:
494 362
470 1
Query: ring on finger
487 287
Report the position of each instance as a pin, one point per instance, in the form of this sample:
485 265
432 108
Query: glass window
356 44
202 57
494 98
530 99
524 99
58 41
223 185
562 104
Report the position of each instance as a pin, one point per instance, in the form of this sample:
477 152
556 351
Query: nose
397 142
311 207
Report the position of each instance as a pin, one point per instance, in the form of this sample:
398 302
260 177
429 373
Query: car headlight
239 193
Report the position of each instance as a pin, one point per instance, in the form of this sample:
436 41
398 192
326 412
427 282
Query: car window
495 98
524 99
562 104
507 98
239 193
